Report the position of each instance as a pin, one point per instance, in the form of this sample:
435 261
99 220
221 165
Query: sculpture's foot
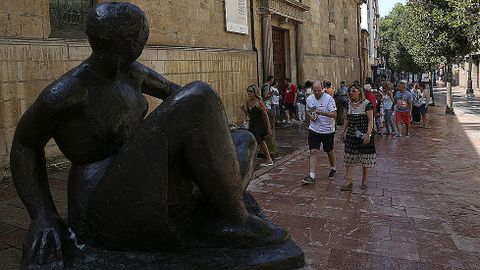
278 257
256 232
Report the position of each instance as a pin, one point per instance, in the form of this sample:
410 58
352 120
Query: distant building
370 22
366 69
463 72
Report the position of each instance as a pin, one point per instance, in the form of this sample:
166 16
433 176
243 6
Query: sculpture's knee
246 147
200 89
244 142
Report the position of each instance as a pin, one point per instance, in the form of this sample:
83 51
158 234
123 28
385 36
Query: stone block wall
175 23
319 61
24 18
28 66
190 23
335 69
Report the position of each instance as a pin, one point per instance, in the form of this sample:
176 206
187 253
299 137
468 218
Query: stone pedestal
285 256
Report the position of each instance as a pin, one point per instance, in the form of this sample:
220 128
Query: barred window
345 15
331 11
333 47
67 17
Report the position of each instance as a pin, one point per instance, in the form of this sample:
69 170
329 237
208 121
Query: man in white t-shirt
322 112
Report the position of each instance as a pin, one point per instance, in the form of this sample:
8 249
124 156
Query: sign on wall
236 16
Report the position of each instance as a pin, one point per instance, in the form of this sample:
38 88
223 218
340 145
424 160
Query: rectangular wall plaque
236 16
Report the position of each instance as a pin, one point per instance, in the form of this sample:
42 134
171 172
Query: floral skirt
364 160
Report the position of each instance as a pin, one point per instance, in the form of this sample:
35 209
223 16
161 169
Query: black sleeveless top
257 124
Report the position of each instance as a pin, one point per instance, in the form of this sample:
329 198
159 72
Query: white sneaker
266 164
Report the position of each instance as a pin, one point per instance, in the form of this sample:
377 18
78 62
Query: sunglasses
250 91
352 90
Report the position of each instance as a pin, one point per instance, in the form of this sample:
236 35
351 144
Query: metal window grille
333 48
345 15
331 11
67 17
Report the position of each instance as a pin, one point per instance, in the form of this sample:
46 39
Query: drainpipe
252 35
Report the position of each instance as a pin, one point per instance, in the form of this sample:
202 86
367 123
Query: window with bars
332 39
67 17
345 15
331 11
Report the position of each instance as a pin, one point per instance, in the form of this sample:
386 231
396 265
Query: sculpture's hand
45 242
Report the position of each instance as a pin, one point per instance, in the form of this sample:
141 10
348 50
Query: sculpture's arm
47 232
154 84
27 160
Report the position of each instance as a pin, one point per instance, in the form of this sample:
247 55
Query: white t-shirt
276 95
308 91
323 124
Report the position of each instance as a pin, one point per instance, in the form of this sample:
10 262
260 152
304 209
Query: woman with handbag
357 136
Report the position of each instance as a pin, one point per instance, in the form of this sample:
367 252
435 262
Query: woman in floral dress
357 136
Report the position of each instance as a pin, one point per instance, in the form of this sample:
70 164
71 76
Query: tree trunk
449 107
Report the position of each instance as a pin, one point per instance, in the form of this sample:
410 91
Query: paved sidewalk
421 211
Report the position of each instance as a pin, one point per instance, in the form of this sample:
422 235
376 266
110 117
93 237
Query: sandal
363 186
346 187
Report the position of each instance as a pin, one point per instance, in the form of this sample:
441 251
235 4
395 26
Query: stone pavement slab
421 210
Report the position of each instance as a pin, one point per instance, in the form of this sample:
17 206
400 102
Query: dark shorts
289 107
423 109
326 140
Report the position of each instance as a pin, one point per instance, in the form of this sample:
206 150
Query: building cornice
286 8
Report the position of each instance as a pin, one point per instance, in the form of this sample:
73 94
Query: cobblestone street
421 209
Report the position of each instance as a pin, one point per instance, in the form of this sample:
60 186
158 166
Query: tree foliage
466 14
392 47
433 34
430 32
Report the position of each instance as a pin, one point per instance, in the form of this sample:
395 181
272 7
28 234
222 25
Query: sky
385 6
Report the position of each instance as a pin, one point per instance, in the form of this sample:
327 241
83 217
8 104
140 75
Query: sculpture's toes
266 233
255 232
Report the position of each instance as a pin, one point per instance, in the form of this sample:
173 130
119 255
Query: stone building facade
308 39
370 22
475 73
366 68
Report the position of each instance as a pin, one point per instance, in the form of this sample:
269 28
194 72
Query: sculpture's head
117 31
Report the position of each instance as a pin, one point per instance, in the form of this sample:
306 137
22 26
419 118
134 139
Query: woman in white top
388 110
275 99
424 98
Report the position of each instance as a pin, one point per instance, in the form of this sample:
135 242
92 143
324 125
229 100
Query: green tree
433 32
392 48
465 16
